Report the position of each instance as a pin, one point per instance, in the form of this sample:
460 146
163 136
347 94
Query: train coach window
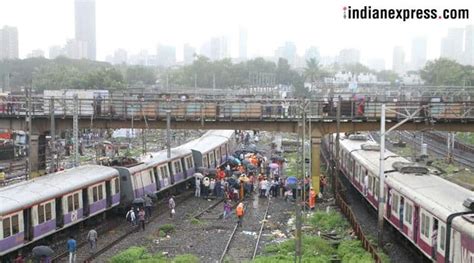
117 186
101 193
15 226
177 167
40 214
48 211
6 227
76 201
70 207
442 237
425 225
395 200
94 194
189 162
150 173
408 213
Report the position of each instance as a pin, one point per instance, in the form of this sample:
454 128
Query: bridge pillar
37 157
315 162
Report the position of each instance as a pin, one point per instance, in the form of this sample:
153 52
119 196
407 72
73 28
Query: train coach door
157 179
416 223
59 212
85 201
27 224
108 193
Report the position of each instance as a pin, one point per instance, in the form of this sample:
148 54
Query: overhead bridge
236 114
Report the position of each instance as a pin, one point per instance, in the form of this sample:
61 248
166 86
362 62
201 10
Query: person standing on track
172 205
227 209
92 239
312 198
131 216
141 218
148 206
72 249
239 211
197 193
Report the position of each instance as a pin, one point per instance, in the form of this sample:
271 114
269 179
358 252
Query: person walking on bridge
239 211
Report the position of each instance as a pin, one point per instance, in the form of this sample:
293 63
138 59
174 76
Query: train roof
43 188
439 196
211 140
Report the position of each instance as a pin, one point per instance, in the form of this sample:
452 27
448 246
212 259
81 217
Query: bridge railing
238 109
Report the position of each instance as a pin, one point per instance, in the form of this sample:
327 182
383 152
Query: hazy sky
141 24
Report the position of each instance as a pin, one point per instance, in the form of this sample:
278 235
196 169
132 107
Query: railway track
113 234
236 249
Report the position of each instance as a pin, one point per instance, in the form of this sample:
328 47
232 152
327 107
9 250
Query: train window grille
442 238
76 201
100 192
377 188
395 201
94 194
204 161
48 211
189 163
40 214
150 173
6 227
425 225
15 225
408 213
70 207
177 167
218 153
117 186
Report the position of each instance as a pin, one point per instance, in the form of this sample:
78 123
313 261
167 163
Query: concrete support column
33 155
315 162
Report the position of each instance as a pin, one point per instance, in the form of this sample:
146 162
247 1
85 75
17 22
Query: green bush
167 228
352 251
132 254
328 221
185 258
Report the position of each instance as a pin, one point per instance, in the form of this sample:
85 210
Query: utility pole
298 238
75 130
338 131
28 91
383 133
168 133
53 135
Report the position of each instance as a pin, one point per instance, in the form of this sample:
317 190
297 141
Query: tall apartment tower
85 25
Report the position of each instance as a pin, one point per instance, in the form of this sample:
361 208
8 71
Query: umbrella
198 175
212 171
138 201
42 251
248 155
234 160
292 180
201 170
244 178
273 165
245 162
237 173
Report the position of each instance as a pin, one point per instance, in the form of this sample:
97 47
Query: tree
387 75
312 70
444 72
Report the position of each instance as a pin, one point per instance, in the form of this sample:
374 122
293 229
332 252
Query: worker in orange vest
239 211
312 198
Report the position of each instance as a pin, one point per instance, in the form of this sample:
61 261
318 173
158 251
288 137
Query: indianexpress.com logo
367 12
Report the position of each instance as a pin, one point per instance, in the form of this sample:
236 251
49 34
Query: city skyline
135 36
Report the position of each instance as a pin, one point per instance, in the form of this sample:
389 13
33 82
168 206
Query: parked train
420 205
37 208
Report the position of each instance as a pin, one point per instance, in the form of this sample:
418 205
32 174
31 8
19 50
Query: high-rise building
469 45
398 63
418 52
188 54
349 56
37 53
85 25
312 52
76 49
218 48
243 38
288 52
166 55
452 44
8 42
120 56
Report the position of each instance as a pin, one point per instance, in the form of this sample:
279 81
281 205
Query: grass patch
352 251
314 248
196 221
329 221
167 228
141 255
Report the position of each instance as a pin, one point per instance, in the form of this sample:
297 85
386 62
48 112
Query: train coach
34 209
420 205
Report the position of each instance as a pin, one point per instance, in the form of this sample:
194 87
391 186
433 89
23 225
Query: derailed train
420 205
32 210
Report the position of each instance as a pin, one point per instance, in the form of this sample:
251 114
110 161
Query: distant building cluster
458 45
8 42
